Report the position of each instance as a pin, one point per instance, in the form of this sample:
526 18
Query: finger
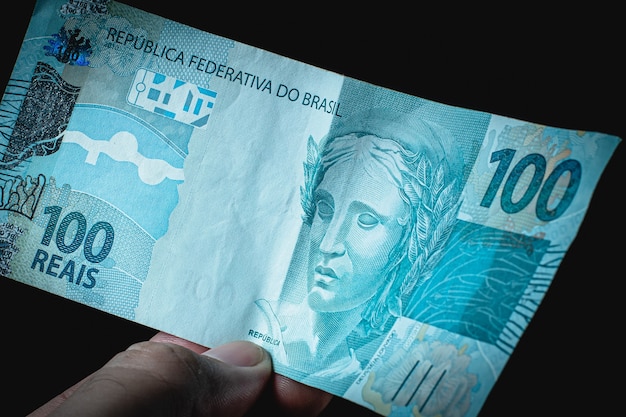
283 395
169 338
286 397
162 337
296 399
164 379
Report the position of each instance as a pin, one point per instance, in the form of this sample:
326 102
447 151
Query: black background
563 68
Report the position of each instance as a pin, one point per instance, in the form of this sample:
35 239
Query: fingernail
239 353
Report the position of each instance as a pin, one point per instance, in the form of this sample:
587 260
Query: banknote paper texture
385 248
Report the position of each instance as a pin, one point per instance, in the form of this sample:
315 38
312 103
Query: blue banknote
385 248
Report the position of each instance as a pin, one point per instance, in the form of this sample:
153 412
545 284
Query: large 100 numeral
536 184
80 235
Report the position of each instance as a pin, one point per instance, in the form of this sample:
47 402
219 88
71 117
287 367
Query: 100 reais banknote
385 248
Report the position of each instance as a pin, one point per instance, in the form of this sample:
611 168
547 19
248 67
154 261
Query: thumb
164 379
241 372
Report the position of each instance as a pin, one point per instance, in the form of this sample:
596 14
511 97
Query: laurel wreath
311 165
437 205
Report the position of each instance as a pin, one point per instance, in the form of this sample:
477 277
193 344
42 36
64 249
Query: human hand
169 376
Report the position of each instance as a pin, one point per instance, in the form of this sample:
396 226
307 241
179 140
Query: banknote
386 248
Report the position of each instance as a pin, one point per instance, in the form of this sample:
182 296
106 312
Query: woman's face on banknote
354 229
